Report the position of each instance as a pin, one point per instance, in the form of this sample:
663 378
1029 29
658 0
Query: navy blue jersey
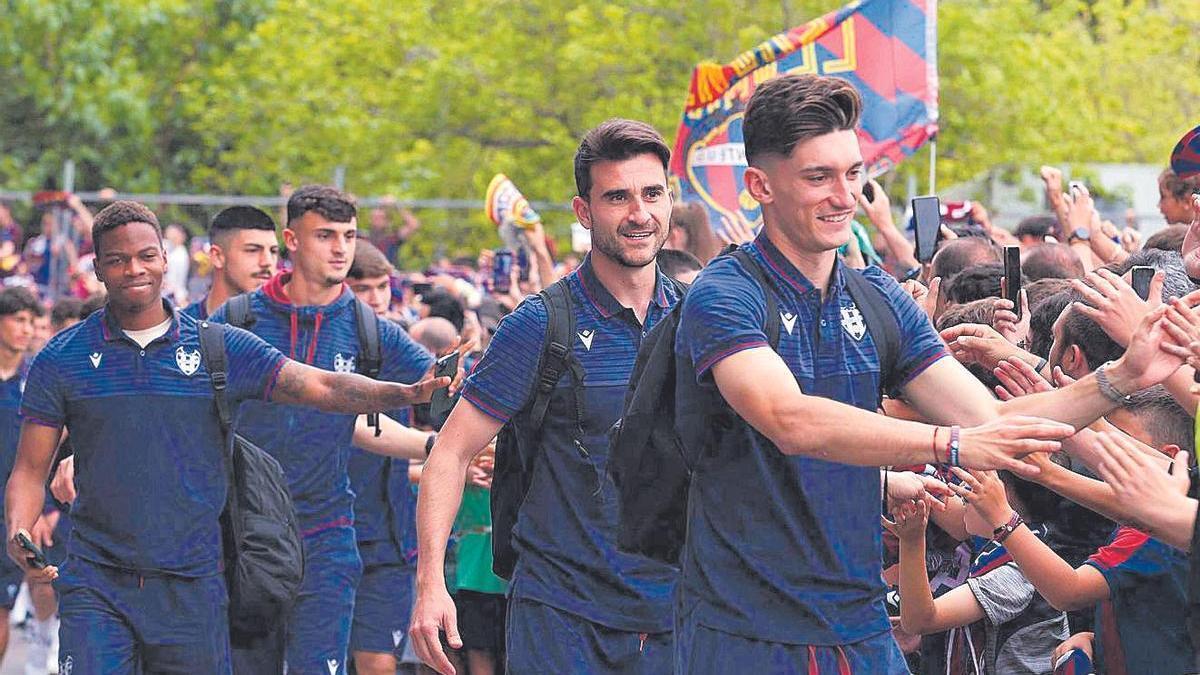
788 549
10 417
198 309
148 446
384 504
1139 628
312 446
565 533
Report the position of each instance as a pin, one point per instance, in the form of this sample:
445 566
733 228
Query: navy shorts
382 609
701 650
542 639
118 623
318 627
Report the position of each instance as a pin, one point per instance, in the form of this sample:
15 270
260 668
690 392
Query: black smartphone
1140 276
422 287
927 223
441 403
869 192
1012 277
37 558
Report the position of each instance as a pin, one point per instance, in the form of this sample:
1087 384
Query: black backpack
366 324
264 555
517 443
655 446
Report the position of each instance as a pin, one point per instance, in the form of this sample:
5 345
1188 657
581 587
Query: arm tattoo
345 393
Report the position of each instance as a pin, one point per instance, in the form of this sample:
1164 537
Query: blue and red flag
886 48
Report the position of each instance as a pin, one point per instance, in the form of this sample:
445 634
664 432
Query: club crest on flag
187 361
887 49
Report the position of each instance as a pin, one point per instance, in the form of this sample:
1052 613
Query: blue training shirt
148 447
565 533
384 505
197 310
312 446
10 418
788 549
1139 628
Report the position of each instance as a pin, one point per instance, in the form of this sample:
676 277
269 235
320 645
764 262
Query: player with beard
309 314
243 251
577 604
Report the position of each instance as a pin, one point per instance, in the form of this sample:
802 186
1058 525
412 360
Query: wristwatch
1079 234
1001 533
429 443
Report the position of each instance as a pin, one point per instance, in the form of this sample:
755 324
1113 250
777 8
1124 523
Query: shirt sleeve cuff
723 352
273 378
43 419
922 365
489 406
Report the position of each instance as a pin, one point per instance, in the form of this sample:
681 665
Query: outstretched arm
348 393
798 424
394 440
1064 587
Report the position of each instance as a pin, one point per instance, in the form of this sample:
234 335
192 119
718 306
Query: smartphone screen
502 266
441 403
927 223
1012 277
1140 276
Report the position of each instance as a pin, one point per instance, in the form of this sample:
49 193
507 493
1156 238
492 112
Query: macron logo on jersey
397 637
789 321
585 336
333 666
95 359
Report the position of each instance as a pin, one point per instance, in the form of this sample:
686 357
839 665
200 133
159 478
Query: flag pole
933 166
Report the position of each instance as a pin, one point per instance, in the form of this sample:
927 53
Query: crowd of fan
963 601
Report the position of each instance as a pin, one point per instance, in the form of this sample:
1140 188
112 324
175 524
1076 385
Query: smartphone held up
927 226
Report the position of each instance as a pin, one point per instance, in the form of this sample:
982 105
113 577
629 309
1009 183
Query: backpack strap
370 356
881 323
212 346
771 327
556 350
238 313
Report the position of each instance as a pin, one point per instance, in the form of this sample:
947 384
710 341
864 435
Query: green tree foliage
421 99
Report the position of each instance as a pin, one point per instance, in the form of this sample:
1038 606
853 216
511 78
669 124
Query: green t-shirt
473 527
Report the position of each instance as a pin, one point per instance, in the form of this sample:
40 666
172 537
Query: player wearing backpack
312 316
780 568
577 604
142 587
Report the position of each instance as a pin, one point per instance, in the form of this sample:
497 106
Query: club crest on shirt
187 361
789 321
852 322
343 364
66 666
